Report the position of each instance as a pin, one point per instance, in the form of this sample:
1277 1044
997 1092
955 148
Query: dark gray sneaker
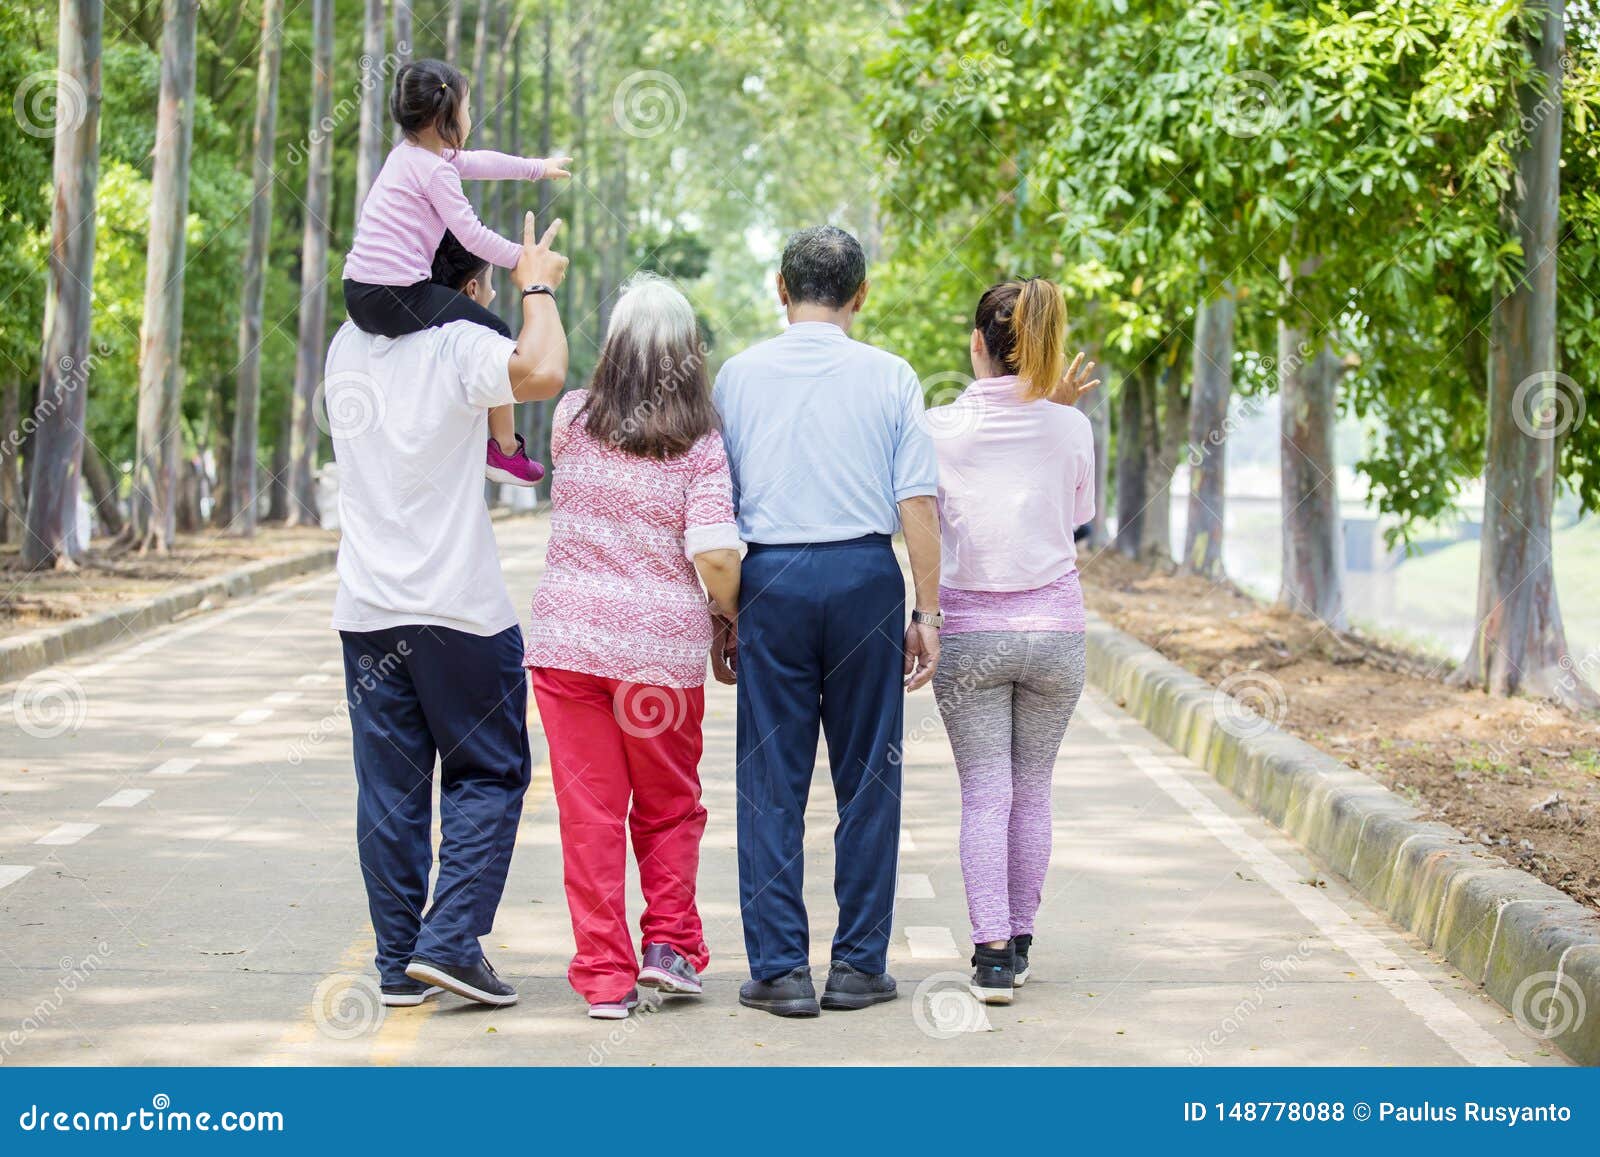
849 988
477 982
993 973
791 994
665 971
408 993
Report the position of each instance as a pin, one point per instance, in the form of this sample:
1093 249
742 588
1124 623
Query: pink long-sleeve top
415 198
1015 478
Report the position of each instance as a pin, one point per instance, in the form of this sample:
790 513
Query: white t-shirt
410 425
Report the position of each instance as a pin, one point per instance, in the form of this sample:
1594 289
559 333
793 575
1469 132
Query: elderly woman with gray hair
642 534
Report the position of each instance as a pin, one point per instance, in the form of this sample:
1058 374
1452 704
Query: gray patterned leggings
1006 698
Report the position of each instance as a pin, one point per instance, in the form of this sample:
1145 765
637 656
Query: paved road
178 886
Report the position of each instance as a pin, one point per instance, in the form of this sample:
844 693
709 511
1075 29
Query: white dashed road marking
253 716
129 797
929 943
913 886
907 844
216 739
66 834
314 680
11 873
174 767
282 698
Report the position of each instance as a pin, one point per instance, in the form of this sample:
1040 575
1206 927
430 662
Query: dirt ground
108 578
1520 777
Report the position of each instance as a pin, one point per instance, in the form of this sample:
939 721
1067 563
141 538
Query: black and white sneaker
993 974
477 982
1019 948
408 993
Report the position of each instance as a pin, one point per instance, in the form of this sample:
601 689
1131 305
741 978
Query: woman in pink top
1016 478
621 629
414 200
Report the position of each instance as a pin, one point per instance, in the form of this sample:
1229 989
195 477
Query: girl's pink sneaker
512 469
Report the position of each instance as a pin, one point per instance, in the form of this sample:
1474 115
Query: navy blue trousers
418 693
821 645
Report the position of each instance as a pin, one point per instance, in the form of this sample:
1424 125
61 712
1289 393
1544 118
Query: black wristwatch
529 290
934 619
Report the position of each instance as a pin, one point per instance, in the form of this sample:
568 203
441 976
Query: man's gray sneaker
791 994
849 988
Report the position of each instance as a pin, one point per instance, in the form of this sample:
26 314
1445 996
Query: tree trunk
1166 413
252 298
1313 535
1520 643
160 434
56 454
11 461
452 32
102 492
402 33
220 426
303 443
278 480
479 82
1208 435
1131 447
370 134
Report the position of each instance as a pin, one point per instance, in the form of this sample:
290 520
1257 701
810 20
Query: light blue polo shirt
825 435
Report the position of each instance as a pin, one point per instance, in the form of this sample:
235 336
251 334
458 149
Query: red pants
611 740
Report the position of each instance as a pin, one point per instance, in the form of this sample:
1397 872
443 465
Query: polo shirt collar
815 329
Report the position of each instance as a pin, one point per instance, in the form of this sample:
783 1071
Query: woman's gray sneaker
666 971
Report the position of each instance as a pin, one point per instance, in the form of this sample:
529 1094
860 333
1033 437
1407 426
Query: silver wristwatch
934 619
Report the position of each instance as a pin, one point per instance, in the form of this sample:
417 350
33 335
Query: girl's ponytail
1024 326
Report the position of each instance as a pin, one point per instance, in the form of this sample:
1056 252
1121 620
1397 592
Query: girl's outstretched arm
488 165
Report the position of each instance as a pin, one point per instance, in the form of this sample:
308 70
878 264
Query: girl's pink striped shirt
415 198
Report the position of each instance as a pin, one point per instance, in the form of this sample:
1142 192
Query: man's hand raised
539 264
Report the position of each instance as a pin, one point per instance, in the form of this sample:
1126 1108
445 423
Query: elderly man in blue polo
829 456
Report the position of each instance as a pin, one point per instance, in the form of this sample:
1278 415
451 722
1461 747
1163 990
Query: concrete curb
1531 947
27 653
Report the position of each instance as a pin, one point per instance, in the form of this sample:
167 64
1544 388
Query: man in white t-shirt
432 650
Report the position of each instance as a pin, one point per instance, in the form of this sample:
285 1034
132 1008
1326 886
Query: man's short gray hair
823 265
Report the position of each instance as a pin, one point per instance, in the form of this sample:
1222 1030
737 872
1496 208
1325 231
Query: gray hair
823 265
654 313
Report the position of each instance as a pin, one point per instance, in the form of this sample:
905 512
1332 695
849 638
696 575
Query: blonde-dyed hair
1024 326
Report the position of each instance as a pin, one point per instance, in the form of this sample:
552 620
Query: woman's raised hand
1075 382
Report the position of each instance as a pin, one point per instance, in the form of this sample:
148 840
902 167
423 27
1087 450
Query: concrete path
178 886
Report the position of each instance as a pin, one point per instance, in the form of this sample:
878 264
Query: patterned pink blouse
620 597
